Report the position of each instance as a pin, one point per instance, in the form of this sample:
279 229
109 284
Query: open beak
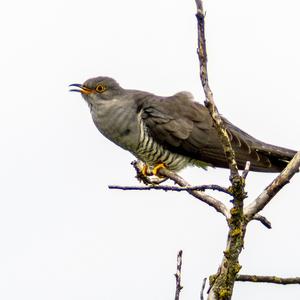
80 88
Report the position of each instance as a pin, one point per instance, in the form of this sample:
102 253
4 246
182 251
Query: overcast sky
63 234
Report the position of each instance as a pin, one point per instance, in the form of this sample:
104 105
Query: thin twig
263 220
276 185
209 101
179 287
202 188
268 279
246 170
202 289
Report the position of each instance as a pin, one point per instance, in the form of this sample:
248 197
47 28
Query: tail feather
262 156
279 157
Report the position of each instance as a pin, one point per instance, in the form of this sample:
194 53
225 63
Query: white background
63 234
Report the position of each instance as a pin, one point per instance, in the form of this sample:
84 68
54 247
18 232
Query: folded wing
185 127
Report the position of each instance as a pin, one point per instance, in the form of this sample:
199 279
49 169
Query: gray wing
185 127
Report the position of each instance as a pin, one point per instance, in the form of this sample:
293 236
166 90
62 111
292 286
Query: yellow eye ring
100 88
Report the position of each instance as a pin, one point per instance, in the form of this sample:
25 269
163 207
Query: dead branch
167 174
268 279
179 287
276 185
246 170
209 101
173 188
222 284
202 289
263 220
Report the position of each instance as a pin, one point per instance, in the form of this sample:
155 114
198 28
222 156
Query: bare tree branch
202 289
223 282
202 188
262 220
268 279
195 191
246 170
178 275
276 185
167 174
209 102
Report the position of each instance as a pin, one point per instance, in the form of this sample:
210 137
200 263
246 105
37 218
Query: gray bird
175 130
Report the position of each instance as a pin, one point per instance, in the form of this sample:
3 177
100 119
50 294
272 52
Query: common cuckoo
175 131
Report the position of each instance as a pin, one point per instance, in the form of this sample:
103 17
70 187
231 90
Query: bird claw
145 170
157 168
147 174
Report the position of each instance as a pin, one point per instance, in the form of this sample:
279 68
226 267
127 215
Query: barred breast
152 153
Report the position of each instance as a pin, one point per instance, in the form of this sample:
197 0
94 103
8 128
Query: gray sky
63 234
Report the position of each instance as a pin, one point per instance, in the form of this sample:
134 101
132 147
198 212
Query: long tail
278 157
263 157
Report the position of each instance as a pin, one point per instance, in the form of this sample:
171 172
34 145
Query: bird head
97 89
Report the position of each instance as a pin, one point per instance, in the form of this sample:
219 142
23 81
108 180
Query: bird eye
100 88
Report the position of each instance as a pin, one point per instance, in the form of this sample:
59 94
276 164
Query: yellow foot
156 169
